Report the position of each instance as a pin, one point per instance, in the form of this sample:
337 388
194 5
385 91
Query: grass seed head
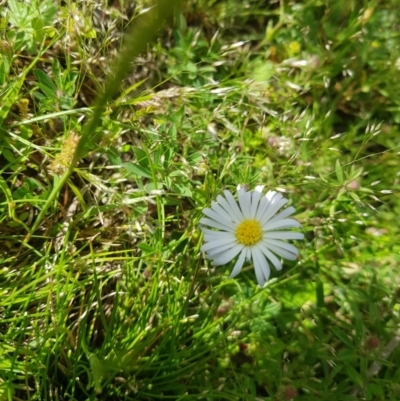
62 161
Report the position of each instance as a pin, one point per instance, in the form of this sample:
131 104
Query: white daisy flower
249 229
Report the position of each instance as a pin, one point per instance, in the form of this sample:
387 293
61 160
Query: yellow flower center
248 232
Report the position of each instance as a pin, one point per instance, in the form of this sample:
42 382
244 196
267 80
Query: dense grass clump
121 122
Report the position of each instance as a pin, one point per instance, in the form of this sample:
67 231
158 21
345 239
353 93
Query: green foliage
104 291
33 22
58 95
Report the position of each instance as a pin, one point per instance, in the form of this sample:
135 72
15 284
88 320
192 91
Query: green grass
109 151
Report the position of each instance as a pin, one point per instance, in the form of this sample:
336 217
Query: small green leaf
90 34
146 248
44 79
153 187
168 154
339 172
368 393
396 376
9 97
48 11
9 156
4 69
98 372
342 336
378 391
114 157
358 324
355 173
176 173
319 289
39 96
172 132
195 158
45 84
23 192
137 170
141 156
323 178
18 13
182 190
37 24
354 376
355 197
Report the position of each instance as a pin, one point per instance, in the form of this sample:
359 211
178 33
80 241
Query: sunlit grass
104 291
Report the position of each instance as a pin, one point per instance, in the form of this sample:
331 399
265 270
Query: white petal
217 235
283 214
276 204
289 247
273 259
262 263
279 224
216 253
214 233
270 194
287 251
227 207
212 214
283 235
248 254
244 202
258 269
264 204
228 215
239 264
223 243
228 255
230 200
283 253
255 201
267 202
213 238
259 274
215 224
